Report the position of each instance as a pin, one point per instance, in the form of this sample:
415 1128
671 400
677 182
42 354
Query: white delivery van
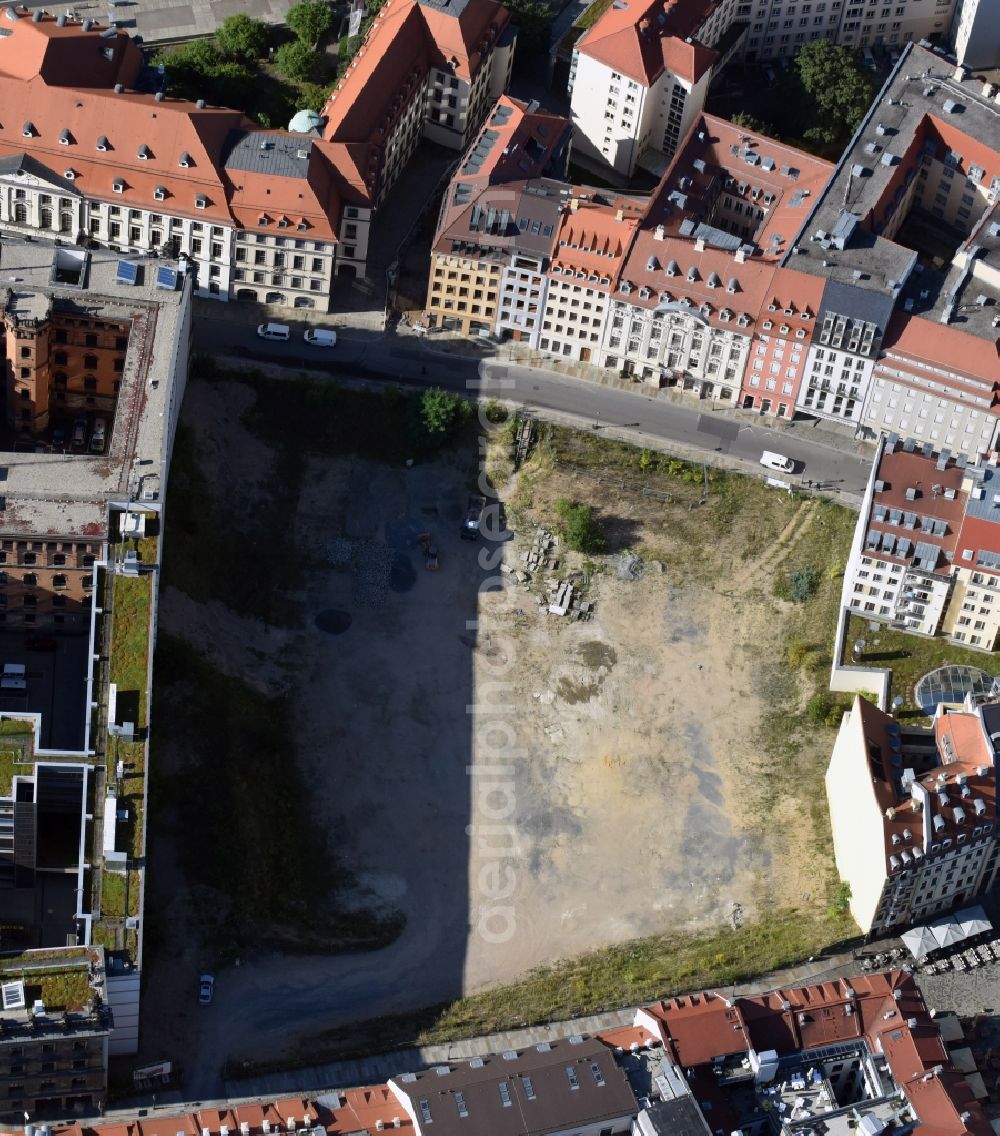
321 337
274 331
771 460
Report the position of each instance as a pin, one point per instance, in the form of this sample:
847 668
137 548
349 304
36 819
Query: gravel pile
372 567
628 567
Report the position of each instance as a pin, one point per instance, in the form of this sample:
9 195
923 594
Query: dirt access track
524 787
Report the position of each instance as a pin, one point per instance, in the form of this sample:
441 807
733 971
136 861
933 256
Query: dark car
40 643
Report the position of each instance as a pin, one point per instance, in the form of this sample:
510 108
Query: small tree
802 584
748 122
296 60
441 413
310 21
579 527
841 900
242 37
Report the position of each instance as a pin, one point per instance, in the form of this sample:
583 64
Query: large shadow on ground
310 816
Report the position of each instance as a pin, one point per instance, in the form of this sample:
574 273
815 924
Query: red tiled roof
644 38
66 56
143 139
719 158
594 238
405 41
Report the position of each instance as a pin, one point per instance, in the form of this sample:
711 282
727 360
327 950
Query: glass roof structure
951 684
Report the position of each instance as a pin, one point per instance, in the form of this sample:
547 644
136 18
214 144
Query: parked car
770 460
321 337
97 439
58 437
79 432
40 643
206 989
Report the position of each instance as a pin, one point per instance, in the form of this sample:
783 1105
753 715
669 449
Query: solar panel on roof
128 272
166 278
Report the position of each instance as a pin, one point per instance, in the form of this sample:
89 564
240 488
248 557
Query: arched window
20 213
90 362
45 219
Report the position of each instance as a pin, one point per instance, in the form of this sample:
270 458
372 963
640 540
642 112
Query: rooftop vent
119 87
200 104
28 130
185 160
36 15
102 143
87 25
159 96
144 152
61 20
64 136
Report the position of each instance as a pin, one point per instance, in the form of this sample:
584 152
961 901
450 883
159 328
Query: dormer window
65 137
767 325
160 193
302 226
200 201
263 220
144 152
789 312
118 185
28 130
282 222
800 334
69 175
185 160
784 329
102 144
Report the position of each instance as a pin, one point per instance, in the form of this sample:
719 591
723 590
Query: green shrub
578 526
818 709
802 584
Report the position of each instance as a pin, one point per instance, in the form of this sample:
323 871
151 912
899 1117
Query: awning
946 931
919 941
973 921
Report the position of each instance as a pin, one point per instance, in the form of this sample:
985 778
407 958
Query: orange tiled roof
644 38
129 147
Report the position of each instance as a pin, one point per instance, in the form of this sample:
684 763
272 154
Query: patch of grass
60 988
15 757
120 894
585 20
628 974
262 873
909 657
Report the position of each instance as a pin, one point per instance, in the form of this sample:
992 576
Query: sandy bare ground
523 787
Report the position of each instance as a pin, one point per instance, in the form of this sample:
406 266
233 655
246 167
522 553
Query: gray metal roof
26 164
856 303
260 152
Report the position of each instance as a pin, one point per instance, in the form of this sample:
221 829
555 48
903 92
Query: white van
869 59
321 337
771 460
274 331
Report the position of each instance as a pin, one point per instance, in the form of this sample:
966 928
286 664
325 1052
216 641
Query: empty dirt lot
522 786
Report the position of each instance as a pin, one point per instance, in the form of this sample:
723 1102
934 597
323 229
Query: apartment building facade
426 69
778 28
975 35
926 551
638 79
497 226
86 156
913 813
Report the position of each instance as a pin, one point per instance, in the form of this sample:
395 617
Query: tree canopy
534 19
242 37
838 86
199 70
296 60
310 20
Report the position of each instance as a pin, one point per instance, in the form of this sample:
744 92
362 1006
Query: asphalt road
720 436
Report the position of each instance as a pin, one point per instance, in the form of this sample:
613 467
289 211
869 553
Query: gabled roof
644 38
74 53
406 39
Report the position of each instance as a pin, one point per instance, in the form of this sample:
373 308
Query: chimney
740 256
659 232
699 245
159 96
620 215
36 16
574 204
119 88
200 104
